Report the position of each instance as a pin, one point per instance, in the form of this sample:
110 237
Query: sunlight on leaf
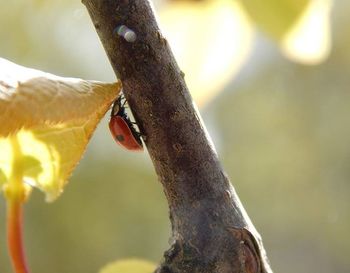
129 266
211 41
52 118
309 41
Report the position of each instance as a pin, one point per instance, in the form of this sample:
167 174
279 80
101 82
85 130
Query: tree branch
211 231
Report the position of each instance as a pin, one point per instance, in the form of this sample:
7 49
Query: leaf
3 178
129 266
275 17
309 40
52 119
211 40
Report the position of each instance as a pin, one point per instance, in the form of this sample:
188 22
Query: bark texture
211 233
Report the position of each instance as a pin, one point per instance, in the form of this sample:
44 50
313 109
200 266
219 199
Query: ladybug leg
144 137
122 100
137 132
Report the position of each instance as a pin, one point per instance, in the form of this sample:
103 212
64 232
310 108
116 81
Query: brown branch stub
204 208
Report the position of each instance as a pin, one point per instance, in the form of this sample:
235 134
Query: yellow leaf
52 119
275 17
309 40
129 266
211 41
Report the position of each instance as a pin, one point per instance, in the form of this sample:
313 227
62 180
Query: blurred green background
281 128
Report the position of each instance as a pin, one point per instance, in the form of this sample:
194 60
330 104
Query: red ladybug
122 129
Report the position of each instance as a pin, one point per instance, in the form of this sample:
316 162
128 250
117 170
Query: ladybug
122 129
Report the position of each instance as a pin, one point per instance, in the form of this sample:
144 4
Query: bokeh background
273 86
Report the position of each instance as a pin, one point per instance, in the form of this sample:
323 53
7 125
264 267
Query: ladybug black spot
120 138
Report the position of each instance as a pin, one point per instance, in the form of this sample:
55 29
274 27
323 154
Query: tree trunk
211 231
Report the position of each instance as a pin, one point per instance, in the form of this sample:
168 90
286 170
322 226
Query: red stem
14 236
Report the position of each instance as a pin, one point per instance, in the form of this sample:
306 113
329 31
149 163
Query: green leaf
129 266
275 17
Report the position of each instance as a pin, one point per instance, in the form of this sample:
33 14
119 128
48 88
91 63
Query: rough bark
210 230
